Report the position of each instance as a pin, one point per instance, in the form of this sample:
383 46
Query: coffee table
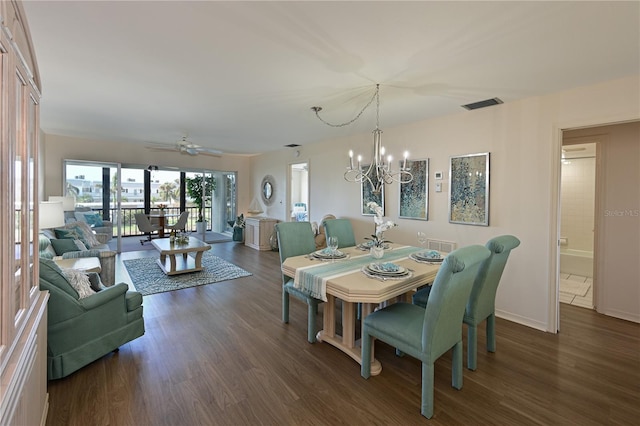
170 260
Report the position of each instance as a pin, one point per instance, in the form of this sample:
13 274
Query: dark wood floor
220 355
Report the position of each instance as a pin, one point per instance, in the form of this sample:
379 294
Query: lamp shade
50 214
68 202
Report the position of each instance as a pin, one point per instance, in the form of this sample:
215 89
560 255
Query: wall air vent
483 104
292 145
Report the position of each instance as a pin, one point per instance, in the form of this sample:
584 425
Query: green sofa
81 331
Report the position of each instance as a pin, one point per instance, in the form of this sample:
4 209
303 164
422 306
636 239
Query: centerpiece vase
376 252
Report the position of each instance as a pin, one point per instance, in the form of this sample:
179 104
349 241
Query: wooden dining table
343 279
162 221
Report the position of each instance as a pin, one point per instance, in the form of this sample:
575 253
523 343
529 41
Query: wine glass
422 238
332 243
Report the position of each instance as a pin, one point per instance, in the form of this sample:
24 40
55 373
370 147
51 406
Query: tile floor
571 299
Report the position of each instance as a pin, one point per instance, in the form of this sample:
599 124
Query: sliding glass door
118 192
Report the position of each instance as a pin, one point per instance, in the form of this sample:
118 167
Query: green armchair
82 330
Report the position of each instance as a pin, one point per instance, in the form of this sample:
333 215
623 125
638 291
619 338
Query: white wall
524 139
578 198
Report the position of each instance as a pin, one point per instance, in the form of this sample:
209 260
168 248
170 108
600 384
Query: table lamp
68 202
50 214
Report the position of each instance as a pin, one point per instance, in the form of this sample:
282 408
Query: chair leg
285 306
311 322
456 366
366 341
426 407
472 346
491 332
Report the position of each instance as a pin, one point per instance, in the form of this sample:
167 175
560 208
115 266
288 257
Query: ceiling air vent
483 104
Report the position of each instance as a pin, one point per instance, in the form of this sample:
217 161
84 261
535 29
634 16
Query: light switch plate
438 186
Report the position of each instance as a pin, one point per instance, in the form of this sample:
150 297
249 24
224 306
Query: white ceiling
242 76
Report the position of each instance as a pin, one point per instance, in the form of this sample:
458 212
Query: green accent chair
295 239
342 229
80 331
482 301
426 334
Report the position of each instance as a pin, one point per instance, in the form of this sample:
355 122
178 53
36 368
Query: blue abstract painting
414 195
469 189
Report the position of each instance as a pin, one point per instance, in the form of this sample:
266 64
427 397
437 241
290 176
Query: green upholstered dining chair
426 334
342 229
481 304
81 330
295 239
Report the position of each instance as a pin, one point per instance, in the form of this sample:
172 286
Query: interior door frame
289 189
553 311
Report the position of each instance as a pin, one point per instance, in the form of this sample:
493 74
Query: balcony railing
129 227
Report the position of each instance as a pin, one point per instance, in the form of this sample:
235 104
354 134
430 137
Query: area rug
574 287
148 278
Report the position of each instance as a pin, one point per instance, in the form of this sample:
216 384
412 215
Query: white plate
376 269
422 256
338 255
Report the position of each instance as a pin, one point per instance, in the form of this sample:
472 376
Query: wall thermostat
438 175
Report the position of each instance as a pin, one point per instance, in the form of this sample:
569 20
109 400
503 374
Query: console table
257 231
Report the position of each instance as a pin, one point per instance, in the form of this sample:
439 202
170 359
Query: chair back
450 292
144 224
181 223
295 239
482 300
342 229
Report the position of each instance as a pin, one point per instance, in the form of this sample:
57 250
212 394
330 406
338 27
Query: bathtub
576 262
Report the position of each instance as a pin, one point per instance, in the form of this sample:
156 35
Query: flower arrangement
381 225
162 206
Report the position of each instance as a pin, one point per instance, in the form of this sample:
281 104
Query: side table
84 264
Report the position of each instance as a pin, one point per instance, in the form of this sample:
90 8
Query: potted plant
199 189
238 228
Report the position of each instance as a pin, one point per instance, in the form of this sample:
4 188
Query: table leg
346 343
172 259
328 320
161 224
163 257
198 259
348 324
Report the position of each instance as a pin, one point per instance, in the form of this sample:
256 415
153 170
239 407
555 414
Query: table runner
313 278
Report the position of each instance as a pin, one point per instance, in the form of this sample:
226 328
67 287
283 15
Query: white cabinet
257 232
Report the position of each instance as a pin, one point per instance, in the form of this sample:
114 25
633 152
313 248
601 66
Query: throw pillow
64 245
79 281
93 219
45 248
70 232
89 239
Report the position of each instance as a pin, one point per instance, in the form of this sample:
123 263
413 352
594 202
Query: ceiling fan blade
211 154
157 148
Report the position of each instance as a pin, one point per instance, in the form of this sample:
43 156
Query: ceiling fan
183 146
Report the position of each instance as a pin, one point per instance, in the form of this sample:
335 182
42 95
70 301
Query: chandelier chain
346 123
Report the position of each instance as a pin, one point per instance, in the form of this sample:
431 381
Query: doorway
299 192
577 207
616 248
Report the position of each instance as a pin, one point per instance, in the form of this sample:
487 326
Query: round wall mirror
268 189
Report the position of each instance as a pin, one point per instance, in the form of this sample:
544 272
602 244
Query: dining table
347 279
161 218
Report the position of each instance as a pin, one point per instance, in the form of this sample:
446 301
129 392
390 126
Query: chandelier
378 172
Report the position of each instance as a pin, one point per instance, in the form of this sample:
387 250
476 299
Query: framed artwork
414 195
367 194
469 189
